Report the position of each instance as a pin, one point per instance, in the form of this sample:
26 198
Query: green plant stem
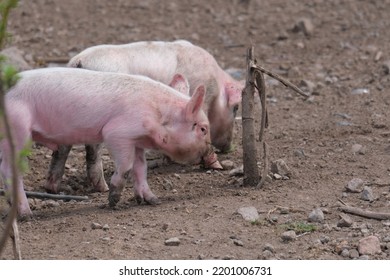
5 9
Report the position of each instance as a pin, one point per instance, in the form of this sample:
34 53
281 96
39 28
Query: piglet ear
233 92
180 83
196 102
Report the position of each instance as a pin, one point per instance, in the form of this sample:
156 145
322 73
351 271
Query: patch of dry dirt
345 51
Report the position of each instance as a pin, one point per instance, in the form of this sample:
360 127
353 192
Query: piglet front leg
139 174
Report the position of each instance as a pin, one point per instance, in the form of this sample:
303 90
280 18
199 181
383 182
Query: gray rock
355 185
358 149
14 57
227 164
289 235
386 238
367 194
106 227
267 255
304 25
369 245
345 253
378 121
299 153
96 226
324 239
316 216
353 254
359 91
239 171
386 67
238 242
174 241
277 176
280 167
249 213
345 221
342 245
364 257
269 247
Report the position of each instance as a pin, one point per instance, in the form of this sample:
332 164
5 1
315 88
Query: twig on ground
302 234
51 196
365 213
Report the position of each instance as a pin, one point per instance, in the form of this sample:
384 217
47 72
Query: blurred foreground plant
8 78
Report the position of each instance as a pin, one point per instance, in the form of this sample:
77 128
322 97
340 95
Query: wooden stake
251 172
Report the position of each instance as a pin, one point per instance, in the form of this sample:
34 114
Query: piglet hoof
113 198
51 187
25 214
151 200
100 186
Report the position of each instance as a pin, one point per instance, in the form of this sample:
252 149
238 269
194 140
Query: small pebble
345 253
174 241
238 242
269 247
355 185
249 213
367 194
358 91
280 167
96 226
345 221
316 216
353 254
289 235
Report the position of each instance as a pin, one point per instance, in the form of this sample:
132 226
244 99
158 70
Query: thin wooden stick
16 241
51 196
365 213
260 85
280 79
265 168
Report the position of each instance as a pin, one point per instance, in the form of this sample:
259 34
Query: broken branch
285 82
365 213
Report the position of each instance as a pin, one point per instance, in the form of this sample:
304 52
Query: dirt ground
338 52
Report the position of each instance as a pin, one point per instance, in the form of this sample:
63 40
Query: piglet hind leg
56 168
139 175
95 172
